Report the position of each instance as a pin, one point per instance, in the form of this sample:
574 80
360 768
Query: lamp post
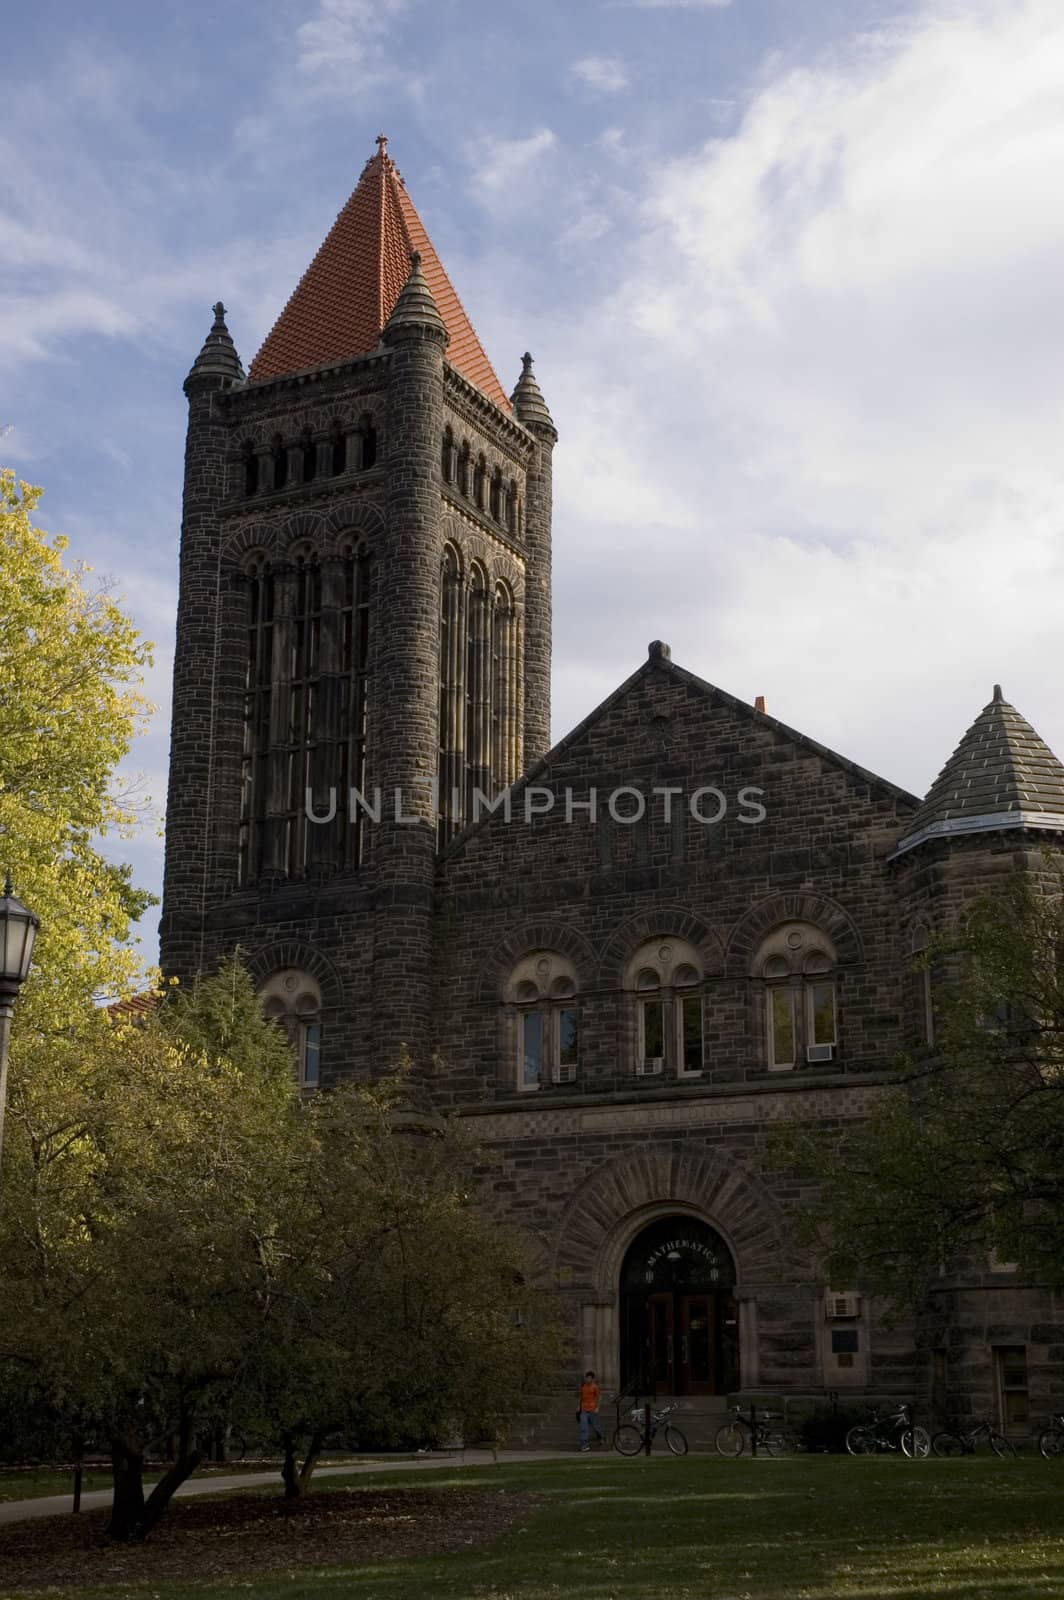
18 930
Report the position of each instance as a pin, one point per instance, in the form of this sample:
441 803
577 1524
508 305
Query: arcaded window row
485 488
284 463
665 997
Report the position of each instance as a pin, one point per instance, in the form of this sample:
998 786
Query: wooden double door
682 1343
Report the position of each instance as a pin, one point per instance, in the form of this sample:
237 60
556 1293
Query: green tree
184 1241
142 1187
401 1309
71 663
965 1156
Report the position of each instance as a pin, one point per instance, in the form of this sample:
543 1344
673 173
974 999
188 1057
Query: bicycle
631 1437
888 1433
1051 1439
771 1434
948 1443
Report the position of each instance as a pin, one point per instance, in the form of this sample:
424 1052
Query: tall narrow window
922 980
451 775
257 676
251 468
293 1000
310 456
505 751
480 473
511 507
796 965
542 993
464 468
495 495
368 436
448 457
667 977
354 697
303 731
1010 1363
478 686
280 462
338 449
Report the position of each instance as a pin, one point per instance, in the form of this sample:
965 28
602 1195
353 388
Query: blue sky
791 274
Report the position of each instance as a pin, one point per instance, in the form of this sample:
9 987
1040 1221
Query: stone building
623 958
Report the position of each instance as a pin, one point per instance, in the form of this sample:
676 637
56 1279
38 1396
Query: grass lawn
808 1528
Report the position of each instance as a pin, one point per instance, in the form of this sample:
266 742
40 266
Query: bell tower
363 639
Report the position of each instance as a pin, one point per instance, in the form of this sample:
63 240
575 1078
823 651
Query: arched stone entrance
678 1316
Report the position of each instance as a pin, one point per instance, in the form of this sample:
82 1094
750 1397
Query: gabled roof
343 300
1001 775
659 658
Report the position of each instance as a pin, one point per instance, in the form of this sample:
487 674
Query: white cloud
669 5
822 453
604 73
503 168
343 37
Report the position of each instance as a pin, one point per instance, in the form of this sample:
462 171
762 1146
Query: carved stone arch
478 576
622 1196
305 529
364 519
797 906
663 922
541 935
267 959
255 536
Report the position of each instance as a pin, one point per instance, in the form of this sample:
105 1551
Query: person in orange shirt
588 1416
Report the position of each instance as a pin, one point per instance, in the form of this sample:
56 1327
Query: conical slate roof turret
342 303
218 358
1001 775
415 306
527 399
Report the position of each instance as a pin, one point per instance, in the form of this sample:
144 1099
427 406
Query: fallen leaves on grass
260 1533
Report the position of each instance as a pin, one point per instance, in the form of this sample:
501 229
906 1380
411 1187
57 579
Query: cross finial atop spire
382 144
219 313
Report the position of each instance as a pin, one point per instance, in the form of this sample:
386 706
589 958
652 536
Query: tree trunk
160 1497
310 1461
290 1470
127 1501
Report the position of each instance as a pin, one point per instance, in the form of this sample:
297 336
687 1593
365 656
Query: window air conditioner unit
820 1052
564 1074
842 1305
649 1066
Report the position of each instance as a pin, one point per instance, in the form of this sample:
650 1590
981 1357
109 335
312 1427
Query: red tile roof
346 295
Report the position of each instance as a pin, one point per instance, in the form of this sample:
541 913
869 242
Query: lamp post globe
18 930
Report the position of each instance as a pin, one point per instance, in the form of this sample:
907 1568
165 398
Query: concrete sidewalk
57 1505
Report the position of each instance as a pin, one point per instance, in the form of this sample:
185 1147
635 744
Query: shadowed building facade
624 958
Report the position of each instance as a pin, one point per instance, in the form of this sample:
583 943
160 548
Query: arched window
464 468
495 495
368 438
451 776
293 1000
258 670
478 687
541 995
919 947
303 732
354 696
280 461
511 506
505 751
448 457
480 473
665 977
796 965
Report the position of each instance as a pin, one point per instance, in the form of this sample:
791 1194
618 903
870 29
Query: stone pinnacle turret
415 306
217 364
527 399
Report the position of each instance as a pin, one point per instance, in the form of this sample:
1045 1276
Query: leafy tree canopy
965 1158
